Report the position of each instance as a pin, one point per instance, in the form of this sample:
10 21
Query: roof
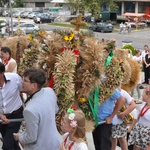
35 1
134 14
58 1
142 15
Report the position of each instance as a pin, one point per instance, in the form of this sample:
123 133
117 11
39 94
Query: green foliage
18 3
113 6
92 6
130 47
1 21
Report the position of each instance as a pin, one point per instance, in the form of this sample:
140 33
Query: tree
92 6
18 3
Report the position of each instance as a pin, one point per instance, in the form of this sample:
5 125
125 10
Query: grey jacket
39 114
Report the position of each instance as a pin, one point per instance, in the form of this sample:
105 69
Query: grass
67 25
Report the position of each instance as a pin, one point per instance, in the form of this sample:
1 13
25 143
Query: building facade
133 6
36 3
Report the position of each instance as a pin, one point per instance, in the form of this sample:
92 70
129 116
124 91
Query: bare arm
128 110
120 102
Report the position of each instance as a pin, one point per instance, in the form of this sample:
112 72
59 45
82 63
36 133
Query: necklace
70 146
144 110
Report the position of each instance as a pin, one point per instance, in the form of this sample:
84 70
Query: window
40 4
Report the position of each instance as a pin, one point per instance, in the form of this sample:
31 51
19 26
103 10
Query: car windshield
22 25
39 15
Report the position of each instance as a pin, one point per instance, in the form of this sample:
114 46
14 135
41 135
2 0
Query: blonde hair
80 130
147 90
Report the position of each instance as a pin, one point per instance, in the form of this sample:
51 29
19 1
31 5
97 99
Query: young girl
8 61
73 124
140 134
119 128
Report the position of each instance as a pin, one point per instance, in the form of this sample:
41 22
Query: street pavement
139 39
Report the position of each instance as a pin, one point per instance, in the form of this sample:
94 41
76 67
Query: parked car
17 14
31 15
36 18
102 27
86 18
27 28
140 24
15 24
24 14
1 11
6 13
44 18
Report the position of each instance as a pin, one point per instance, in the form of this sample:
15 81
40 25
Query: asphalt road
139 38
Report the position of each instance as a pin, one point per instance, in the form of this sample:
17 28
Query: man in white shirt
121 26
144 52
10 107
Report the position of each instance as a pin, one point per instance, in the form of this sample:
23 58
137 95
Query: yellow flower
66 38
41 33
121 60
69 38
30 37
82 100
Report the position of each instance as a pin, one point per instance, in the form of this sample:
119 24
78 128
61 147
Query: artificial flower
70 110
71 116
121 60
30 37
82 100
74 107
73 123
41 33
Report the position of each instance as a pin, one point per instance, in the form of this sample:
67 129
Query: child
119 129
73 123
140 134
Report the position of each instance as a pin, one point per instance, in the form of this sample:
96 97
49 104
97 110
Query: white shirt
145 119
143 54
10 93
128 100
138 59
11 60
76 145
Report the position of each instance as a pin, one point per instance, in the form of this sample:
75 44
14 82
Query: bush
130 47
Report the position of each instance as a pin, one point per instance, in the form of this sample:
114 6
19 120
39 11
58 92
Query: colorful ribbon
94 106
109 58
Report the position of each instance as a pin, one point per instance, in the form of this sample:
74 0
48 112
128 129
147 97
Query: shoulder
124 93
65 135
12 60
10 76
116 94
48 90
81 146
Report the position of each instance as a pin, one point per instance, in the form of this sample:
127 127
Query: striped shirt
10 99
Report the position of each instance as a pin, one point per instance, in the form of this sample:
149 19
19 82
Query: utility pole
10 7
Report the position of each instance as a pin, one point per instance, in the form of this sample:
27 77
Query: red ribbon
74 107
51 82
5 61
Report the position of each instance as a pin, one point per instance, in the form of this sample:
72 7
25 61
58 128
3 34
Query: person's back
40 112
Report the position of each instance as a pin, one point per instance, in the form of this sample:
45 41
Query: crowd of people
124 28
41 107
